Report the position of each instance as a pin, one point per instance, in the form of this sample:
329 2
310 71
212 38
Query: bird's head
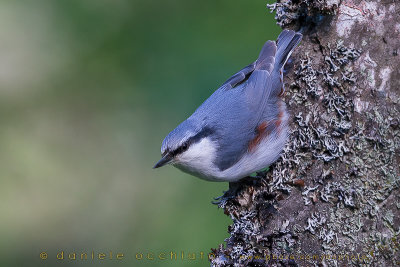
186 145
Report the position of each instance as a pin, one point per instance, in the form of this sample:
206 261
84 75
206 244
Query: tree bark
332 199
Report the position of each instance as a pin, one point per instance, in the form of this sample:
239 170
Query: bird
242 127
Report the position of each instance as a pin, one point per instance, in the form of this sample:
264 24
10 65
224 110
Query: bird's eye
185 146
180 149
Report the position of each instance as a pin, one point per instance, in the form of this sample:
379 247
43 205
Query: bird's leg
234 189
227 195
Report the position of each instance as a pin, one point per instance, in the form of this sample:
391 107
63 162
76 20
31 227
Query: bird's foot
234 190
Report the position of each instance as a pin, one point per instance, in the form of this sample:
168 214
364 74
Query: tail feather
287 41
266 59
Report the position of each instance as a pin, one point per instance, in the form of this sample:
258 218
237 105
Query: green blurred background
88 91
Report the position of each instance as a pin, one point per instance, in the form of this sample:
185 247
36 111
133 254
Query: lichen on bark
332 199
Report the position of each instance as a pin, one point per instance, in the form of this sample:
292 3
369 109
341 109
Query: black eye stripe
180 149
192 140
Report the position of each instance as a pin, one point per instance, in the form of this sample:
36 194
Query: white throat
198 159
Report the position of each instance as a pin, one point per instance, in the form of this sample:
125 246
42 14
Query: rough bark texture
333 197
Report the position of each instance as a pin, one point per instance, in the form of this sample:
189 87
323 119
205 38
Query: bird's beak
164 160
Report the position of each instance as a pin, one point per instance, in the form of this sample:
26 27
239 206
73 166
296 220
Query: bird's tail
286 43
266 59
273 55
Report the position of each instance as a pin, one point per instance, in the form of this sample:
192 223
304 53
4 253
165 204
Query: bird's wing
233 109
239 77
232 113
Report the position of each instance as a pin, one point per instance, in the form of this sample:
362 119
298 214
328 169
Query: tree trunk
332 199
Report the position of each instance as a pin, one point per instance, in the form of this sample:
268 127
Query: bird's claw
229 194
221 200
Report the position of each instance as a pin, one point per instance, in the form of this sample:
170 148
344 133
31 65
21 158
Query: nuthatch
242 127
